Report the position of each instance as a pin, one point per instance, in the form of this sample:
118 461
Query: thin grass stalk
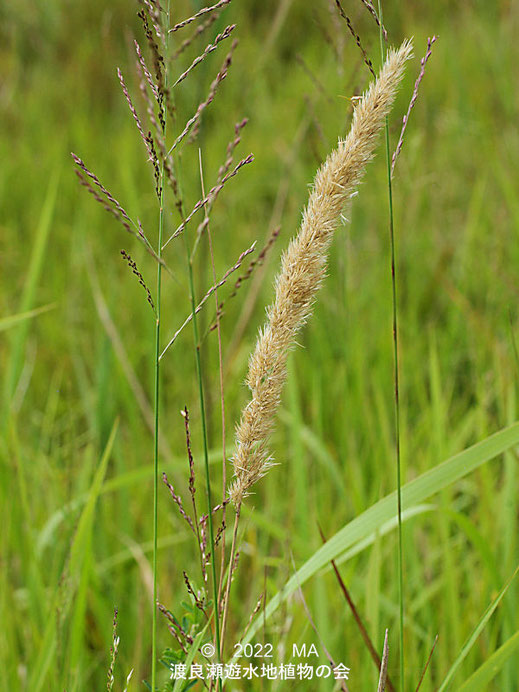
225 609
396 370
189 260
222 399
156 404
199 376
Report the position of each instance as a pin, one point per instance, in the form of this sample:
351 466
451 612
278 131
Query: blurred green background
67 371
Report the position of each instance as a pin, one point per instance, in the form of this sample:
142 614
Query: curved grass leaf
76 568
475 634
35 268
180 684
373 519
13 320
484 674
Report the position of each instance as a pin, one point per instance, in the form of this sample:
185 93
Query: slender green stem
396 375
198 359
206 447
156 447
156 450
229 572
156 399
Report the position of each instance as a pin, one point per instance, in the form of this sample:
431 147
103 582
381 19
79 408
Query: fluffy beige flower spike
303 267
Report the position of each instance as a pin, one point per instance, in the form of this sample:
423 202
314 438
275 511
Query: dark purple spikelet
219 533
208 50
222 74
86 183
200 13
154 10
145 71
175 627
178 502
108 201
151 114
133 267
132 109
256 610
103 189
147 139
150 144
159 66
222 171
202 522
210 197
199 604
113 653
220 506
355 35
256 262
209 293
369 6
224 168
112 206
192 485
198 32
235 564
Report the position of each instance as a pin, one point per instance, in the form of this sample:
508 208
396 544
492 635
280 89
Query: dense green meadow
77 344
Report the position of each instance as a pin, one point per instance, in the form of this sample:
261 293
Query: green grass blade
488 671
87 517
179 683
13 320
29 290
475 634
76 562
373 518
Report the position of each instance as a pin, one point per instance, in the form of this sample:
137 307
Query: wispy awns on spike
302 270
